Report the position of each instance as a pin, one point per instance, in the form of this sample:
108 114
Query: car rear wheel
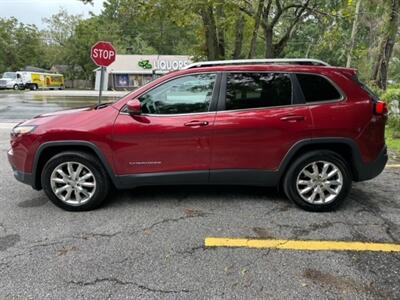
318 181
75 181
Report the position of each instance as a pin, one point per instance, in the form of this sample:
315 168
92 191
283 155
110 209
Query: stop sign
103 54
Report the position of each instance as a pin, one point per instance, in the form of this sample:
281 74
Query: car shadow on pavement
179 194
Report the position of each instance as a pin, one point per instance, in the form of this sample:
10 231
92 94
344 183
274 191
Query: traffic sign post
103 54
101 83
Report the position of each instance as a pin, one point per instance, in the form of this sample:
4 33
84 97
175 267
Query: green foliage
393 139
178 27
392 93
20 45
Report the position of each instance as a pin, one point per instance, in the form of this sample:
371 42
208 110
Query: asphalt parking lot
149 243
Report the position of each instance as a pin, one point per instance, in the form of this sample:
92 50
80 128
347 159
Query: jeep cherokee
298 124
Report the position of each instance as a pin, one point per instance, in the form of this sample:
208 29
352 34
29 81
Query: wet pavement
21 105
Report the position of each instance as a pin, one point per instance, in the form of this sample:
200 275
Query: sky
32 11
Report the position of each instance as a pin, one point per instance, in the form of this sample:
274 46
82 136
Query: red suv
302 125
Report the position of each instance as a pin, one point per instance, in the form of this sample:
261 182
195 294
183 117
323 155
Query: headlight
18 130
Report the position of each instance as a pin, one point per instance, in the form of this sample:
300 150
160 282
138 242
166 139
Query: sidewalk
8 125
76 93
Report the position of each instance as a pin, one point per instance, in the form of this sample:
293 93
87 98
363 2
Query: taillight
380 108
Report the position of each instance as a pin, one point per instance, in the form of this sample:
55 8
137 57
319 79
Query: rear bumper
373 169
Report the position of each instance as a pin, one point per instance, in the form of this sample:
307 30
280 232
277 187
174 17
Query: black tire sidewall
300 163
102 182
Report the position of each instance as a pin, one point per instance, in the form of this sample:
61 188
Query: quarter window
317 88
255 90
188 94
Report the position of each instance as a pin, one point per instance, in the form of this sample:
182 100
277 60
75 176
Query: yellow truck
36 80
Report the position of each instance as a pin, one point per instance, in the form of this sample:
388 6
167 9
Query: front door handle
292 118
196 123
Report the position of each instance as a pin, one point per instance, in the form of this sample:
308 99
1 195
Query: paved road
148 243
19 105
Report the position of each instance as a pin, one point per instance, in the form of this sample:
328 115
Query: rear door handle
292 118
196 123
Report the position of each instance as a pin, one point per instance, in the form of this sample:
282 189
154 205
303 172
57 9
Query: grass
393 144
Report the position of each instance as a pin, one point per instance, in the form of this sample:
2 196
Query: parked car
301 125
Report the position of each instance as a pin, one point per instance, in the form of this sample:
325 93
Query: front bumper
23 177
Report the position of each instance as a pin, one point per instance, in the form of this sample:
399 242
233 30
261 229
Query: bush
390 95
394 123
392 98
373 87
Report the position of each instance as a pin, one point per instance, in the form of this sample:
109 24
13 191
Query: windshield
10 75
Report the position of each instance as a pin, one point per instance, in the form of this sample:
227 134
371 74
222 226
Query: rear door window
256 90
317 88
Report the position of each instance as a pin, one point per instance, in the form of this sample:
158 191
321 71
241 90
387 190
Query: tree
60 27
381 67
257 21
87 33
240 23
279 21
353 34
20 45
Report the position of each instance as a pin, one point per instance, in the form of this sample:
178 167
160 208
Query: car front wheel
318 181
75 181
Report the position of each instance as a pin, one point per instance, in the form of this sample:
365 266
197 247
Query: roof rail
296 61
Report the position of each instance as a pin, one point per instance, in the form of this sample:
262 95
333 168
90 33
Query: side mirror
134 107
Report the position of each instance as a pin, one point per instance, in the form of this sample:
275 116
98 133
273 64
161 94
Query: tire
76 195
15 87
319 193
33 87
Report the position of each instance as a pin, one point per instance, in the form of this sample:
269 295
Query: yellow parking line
300 245
393 166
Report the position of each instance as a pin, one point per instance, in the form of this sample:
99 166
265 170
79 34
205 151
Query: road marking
393 166
300 245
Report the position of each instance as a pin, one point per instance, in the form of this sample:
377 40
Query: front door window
184 95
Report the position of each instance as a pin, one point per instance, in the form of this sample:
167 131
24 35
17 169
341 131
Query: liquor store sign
163 64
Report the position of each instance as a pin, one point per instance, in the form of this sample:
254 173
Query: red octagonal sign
103 54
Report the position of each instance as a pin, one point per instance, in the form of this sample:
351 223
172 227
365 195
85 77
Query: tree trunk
380 71
269 45
220 14
253 42
237 53
210 30
353 34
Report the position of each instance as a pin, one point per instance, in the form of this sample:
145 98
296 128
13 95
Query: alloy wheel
319 182
73 183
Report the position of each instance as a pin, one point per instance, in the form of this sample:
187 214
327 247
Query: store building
129 72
